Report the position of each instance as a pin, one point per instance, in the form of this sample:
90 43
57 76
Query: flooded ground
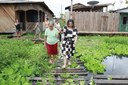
116 65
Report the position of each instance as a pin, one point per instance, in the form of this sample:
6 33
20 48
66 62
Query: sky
57 5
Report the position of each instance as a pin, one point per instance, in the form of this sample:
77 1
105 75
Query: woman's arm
62 30
45 39
76 39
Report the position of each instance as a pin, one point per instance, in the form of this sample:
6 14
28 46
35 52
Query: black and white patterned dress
68 43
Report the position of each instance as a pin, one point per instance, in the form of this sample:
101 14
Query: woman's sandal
50 61
64 66
69 63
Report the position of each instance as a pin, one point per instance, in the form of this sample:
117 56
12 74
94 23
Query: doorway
123 22
20 15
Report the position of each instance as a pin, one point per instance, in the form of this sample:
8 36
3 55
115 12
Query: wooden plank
59 79
109 33
69 71
116 82
121 77
80 74
80 62
38 40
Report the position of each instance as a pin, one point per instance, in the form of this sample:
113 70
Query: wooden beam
25 23
119 77
80 74
113 82
59 79
102 33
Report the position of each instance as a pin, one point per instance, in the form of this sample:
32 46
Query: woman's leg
71 52
17 35
39 35
54 58
65 62
69 62
50 59
35 36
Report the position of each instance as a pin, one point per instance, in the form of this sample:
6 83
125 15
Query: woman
18 28
57 26
37 30
46 23
50 41
69 41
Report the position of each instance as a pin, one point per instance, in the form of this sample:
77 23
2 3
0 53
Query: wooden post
25 22
71 9
38 16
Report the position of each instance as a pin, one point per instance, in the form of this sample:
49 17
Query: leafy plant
92 50
21 59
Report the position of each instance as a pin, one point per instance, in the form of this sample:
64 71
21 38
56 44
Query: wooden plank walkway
80 74
111 79
101 33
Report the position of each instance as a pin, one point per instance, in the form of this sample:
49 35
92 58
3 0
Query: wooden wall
7 18
96 21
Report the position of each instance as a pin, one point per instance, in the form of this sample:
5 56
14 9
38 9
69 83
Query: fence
96 21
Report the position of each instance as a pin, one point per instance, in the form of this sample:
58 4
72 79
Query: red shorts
52 49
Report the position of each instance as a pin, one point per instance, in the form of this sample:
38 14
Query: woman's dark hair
70 20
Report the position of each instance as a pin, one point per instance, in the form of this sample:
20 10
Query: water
116 65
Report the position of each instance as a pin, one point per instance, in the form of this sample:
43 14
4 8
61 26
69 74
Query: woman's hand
60 31
45 45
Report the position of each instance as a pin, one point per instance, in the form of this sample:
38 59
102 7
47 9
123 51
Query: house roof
79 5
28 2
122 10
15 2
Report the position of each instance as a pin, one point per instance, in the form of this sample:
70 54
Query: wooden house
82 7
123 26
27 12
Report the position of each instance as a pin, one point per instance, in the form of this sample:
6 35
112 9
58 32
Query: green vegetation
92 50
62 23
20 59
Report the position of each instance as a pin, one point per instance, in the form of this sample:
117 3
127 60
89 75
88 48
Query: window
32 16
124 20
